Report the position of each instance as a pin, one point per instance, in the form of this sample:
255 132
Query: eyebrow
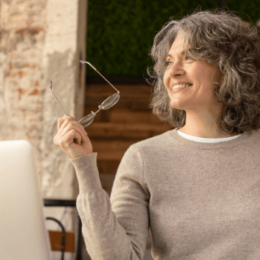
182 53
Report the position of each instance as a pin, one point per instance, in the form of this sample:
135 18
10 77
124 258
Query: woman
196 187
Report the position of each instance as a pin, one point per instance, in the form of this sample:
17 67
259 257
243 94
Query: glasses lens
110 101
106 104
87 120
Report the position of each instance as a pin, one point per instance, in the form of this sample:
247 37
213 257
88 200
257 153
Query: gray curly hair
224 40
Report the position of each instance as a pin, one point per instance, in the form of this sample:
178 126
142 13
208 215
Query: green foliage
120 33
246 10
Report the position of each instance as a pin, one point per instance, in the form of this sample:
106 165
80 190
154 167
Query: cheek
165 79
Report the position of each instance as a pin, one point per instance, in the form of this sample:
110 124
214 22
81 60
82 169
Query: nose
176 69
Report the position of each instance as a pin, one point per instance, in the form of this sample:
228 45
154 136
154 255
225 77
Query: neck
203 126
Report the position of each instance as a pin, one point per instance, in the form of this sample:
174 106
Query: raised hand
72 137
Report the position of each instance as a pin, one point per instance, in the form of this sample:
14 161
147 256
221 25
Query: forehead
177 46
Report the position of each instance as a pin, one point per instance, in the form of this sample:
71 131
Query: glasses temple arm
56 98
99 74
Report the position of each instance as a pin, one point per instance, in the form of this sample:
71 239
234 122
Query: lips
171 89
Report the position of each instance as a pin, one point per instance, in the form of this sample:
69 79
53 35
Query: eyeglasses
106 104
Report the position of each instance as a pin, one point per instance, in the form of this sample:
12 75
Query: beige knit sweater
201 201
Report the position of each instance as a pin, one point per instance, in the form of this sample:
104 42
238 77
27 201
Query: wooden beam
130 116
128 131
126 91
108 167
99 88
110 150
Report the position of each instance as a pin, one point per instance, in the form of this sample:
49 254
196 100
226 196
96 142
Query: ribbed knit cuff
87 172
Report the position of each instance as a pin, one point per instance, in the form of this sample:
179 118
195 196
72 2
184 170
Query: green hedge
120 33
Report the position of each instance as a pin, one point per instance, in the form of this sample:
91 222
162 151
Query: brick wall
43 40
23 28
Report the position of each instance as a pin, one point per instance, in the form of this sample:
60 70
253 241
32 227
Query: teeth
181 86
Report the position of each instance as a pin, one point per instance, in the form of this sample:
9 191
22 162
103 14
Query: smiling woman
220 56
199 197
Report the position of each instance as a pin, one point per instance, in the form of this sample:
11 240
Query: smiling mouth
190 85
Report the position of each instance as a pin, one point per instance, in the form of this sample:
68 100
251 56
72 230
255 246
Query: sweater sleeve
114 228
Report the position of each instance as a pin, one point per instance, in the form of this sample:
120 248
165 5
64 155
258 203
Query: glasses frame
100 106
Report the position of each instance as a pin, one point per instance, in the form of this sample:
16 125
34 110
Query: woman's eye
188 57
167 63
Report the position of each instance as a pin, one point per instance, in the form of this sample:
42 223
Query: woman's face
201 74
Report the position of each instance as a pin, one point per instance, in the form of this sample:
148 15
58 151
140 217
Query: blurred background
43 40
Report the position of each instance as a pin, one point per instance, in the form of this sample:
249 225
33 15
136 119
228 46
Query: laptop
23 233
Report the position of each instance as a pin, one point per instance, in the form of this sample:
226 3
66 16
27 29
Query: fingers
67 122
67 140
61 121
